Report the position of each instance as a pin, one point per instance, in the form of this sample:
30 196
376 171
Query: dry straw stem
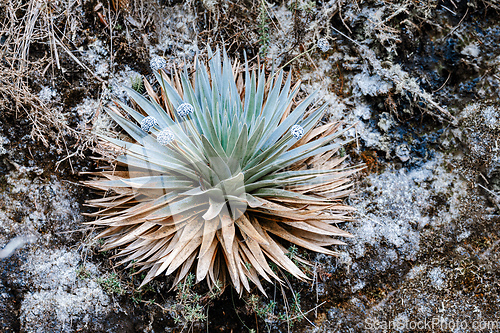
233 189
22 24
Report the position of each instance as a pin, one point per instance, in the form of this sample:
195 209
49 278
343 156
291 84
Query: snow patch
393 208
437 277
371 85
3 141
415 271
30 204
358 286
58 300
46 94
471 50
463 235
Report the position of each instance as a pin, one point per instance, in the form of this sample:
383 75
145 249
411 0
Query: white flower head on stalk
233 192
297 131
185 109
148 123
156 63
165 137
323 44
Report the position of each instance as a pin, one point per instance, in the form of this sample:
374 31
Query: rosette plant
221 171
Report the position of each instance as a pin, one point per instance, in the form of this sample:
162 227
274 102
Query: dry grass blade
23 24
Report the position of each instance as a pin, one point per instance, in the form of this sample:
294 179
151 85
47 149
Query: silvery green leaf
294 116
233 135
238 153
172 94
217 164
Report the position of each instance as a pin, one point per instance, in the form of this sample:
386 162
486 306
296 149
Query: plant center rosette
220 173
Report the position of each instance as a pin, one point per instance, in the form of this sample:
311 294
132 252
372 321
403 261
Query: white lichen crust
157 63
59 299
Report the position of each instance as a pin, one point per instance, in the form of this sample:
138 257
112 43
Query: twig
488 190
64 159
69 157
311 60
26 38
344 35
484 178
73 231
440 108
165 310
435 91
269 15
455 14
317 287
356 132
285 300
302 314
396 13
300 55
341 18
52 40
313 309
453 30
111 27
76 59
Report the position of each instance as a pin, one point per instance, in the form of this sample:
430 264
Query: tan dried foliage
23 23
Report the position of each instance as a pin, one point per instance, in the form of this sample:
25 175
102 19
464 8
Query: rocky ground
420 81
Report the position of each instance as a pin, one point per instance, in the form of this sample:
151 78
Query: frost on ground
3 141
59 300
92 118
418 253
427 238
423 246
36 214
33 205
480 134
397 204
176 33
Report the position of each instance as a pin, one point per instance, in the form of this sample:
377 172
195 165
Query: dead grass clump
21 25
